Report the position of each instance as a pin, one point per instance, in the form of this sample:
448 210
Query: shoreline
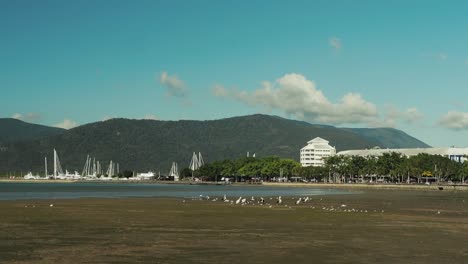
421 187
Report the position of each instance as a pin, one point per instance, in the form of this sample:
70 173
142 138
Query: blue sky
401 64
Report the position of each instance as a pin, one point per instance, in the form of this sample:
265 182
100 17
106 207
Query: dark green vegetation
13 130
149 144
244 169
391 167
389 137
410 230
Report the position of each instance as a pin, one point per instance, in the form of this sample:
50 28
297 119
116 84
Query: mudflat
374 226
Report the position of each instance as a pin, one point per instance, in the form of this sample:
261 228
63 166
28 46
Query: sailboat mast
45 163
55 164
94 167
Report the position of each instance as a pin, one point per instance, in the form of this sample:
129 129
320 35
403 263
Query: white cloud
28 117
17 116
437 55
335 43
393 115
412 115
174 86
151 117
298 96
454 120
66 124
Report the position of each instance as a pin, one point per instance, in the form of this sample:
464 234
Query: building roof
408 151
318 143
317 140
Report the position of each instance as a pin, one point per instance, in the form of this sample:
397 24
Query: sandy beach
422 187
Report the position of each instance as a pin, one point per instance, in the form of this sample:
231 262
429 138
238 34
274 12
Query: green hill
150 144
13 130
389 137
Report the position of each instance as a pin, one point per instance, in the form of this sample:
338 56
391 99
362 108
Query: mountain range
153 144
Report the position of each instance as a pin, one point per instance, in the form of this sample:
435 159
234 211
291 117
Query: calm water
21 191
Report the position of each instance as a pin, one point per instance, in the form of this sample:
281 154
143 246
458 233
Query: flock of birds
278 201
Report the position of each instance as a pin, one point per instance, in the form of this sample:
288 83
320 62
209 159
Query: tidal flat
373 226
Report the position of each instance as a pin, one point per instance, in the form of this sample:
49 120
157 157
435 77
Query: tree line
246 168
390 167
395 167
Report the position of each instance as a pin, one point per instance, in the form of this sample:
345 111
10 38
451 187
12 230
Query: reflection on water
21 191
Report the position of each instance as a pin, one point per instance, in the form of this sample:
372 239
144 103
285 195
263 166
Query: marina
93 171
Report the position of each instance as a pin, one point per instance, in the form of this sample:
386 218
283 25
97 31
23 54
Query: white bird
252 199
224 198
298 201
243 201
51 205
279 201
306 199
239 200
262 201
438 212
343 205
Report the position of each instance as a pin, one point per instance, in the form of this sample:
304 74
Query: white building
316 149
457 154
145 175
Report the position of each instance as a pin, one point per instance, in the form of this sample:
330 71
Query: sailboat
110 172
174 171
91 169
58 172
196 162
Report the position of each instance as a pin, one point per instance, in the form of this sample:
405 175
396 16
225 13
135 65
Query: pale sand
421 187
372 186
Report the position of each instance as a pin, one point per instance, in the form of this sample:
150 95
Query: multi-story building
314 153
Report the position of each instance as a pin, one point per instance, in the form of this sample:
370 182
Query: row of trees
396 167
246 168
391 167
